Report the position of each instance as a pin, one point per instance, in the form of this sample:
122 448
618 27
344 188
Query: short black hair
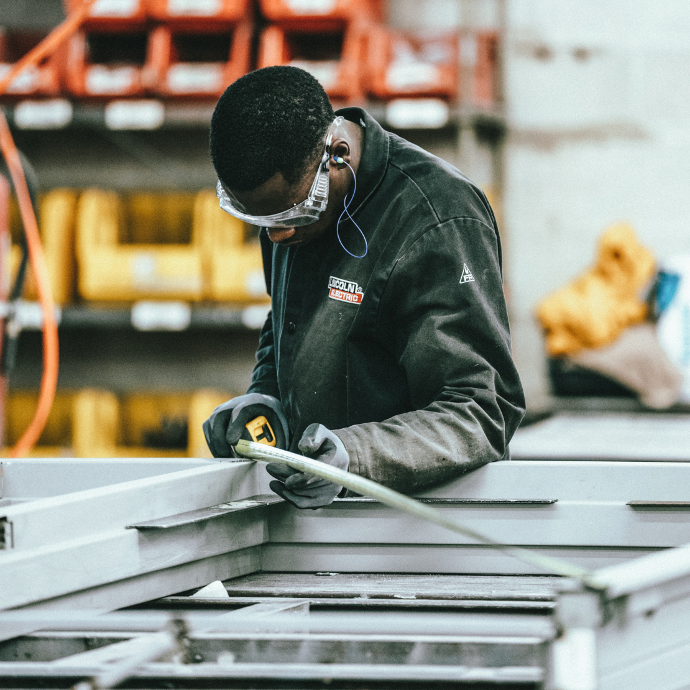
269 121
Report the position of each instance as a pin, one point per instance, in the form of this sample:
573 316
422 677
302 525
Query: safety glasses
304 213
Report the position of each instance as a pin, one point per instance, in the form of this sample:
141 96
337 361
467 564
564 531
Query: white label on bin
255 283
145 276
325 71
143 267
52 114
27 80
311 6
115 8
102 79
161 316
195 78
410 75
196 7
145 114
425 113
255 316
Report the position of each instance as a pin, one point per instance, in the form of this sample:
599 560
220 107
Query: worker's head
269 136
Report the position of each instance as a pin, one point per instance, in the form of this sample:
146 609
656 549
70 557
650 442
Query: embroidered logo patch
466 276
345 290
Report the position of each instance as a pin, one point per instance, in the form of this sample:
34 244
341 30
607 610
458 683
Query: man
387 350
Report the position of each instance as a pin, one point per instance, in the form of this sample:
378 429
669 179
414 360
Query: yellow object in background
154 423
96 423
165 246
56 438
157 218
235 267
143 246
595 308
56 223
201 404
112 270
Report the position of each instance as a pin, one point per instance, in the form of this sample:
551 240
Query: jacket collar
374 158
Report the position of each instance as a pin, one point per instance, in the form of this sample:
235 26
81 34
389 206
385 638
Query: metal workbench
353 595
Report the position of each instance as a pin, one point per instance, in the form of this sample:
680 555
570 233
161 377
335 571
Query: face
277 195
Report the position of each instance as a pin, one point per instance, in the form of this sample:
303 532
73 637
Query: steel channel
418 623
277 674
292 649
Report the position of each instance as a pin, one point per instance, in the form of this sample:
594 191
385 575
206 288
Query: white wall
598 106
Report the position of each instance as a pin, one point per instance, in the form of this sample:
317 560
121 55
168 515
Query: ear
340 151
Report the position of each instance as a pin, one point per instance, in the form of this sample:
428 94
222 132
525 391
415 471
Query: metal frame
173 525
104 543
79 542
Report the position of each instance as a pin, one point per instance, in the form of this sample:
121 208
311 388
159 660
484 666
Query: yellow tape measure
260 431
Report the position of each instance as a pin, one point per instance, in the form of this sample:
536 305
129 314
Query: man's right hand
224 428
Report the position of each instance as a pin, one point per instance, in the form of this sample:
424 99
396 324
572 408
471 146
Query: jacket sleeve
265 372
444 316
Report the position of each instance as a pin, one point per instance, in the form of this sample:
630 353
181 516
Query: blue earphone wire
347 203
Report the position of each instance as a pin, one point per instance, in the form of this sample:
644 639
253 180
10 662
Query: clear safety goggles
304 213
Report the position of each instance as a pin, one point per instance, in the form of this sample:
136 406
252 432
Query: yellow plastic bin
143 424
56 439
96 423
232 256
56 224
111 268
201 404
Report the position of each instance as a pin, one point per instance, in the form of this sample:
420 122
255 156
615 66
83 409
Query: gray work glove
305 490
224 428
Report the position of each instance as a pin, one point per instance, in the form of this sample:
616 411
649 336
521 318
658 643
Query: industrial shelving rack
156 144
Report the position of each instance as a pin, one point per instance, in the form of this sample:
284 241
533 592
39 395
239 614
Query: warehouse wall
598 111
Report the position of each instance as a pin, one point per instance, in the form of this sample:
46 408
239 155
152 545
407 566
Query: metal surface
626 639
75 542
253 645
71 547
606 436
390 586
289 675
467 501
659 504
369 624
194 516
636 636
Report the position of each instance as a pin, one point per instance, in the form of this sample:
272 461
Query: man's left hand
305 490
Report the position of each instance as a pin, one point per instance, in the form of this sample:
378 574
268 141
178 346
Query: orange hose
51 353
50 335
48 45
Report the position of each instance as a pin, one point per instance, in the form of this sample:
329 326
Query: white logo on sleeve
466 276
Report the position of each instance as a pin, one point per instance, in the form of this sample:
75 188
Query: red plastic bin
486 85
207 15
335 58
405 64
192 64
42 80
318 14
103 64
111 15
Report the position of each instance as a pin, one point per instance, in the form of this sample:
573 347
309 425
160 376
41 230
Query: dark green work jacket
404 353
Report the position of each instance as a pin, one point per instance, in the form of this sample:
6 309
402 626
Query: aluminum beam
23 479
77 546
634 635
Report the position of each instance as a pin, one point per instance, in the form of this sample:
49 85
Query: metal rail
367 487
